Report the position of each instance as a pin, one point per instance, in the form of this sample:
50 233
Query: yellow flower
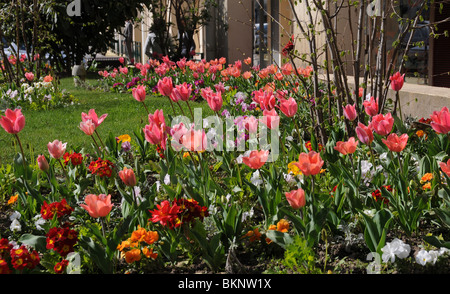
13 199
292 168
123 138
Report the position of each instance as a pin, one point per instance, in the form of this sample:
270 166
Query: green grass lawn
125 115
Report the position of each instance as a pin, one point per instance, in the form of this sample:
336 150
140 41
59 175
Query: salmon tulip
13 121
93 117
42 163
348 147
288 106
256 159
309 163
296 198
396 143
181 92
128 177
165 86
271 119
215 101
364 133
88 127
97 206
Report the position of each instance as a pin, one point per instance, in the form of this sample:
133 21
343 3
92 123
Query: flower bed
250 184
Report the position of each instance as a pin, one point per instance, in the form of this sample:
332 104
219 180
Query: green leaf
37 242
280 238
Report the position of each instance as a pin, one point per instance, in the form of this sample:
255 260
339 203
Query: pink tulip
121 60
396 143
13 121
93 117
397 81
139 93
29 76
350 112
309 163
42 163
348 147
88 127
181 92
364 133
288 106
251 124
157 118
56 149
441 121
97 206
177 132
371 106
256 159
206 93
266 99
215 101
270 119
128 177
296 198
382 124
155 134
194 140
165 86
445 167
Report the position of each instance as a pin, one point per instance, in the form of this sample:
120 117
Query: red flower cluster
425 121
308 146
61 240
160 151
74 158
377 194
178 212
20 258
48 211
101 167
288 48
61 266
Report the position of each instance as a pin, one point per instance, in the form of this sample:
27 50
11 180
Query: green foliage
300 257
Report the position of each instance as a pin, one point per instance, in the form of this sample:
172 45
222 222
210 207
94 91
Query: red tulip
181 92
440 121
97 206
42 163
396 143
309 163
139 93
364 133
56 149
350 112
348 147
128 177
93 117
397 81
88 127
288 106
371 106
445 167
382 124
13 121
165 86
296 198
256 159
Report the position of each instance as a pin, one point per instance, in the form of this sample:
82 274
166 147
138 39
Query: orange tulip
309 163
127 176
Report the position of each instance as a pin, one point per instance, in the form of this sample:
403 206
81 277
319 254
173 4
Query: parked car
257 32
11 48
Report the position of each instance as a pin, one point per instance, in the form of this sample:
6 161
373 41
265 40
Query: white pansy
167 179
15 226
396 248
38 221
423 257
15 215
256 178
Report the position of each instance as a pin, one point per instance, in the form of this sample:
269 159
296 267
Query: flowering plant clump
101 167
55 209
62 240
74 158
140 243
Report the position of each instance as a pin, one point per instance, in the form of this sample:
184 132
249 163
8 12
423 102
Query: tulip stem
192 114
173 108
64 170
298 133
182 111
95 142
371 155
145 106
101 142
23 155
